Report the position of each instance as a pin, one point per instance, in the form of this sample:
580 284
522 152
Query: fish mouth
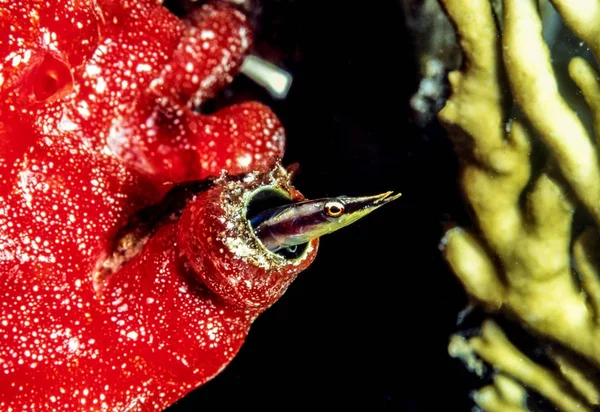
367 204
380 200
387 197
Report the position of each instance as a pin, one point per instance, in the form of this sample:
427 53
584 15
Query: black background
366 327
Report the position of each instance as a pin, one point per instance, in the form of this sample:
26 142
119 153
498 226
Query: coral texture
525 173
111 297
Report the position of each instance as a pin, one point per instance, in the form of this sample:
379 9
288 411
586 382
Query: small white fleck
207 35
143 68
73 345
245 160
92 70
100 85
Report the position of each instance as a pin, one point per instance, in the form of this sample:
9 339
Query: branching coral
526 258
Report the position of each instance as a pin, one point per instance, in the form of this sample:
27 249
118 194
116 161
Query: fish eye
334 209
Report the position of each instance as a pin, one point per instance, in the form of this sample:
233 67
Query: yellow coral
518 261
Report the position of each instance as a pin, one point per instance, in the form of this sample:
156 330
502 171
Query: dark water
367 326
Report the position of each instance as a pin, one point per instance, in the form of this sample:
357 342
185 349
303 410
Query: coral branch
580 376
532 245
469 261
476 110
582 17
534 86
587 79
504 395
494 347
475 115
519 259
587 262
